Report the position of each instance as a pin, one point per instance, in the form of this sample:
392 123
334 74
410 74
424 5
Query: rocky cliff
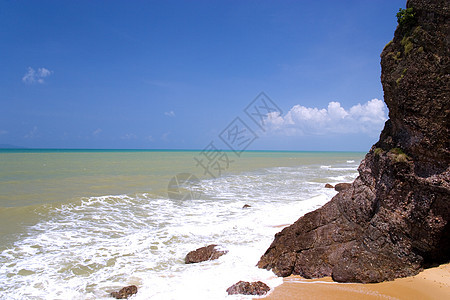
394 219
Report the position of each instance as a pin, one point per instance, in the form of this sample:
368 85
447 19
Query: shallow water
78 225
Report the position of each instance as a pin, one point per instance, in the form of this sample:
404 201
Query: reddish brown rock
246 206
125 292
257 288
394 219
329 186
210 252
342 186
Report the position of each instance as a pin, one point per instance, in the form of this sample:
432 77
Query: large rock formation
394 218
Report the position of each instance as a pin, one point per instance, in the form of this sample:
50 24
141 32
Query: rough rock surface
342 186
210 252
248 288
125 292
394 218
329 186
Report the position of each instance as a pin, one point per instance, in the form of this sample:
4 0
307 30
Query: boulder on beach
342 186
125 292
329 186
394 219
257 288
210 252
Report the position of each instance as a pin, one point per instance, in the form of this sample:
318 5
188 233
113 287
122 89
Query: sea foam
86 249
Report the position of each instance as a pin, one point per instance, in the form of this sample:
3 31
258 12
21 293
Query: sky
185 74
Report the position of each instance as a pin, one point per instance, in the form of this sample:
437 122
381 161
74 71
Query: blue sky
175 74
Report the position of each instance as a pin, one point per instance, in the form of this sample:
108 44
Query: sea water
78 224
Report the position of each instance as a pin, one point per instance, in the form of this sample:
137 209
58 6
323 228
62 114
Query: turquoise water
76 224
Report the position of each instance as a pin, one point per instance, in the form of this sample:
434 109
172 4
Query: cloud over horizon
33 76
367 118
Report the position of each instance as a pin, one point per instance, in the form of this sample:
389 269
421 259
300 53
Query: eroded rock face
394 218
258 288
210 252
342 186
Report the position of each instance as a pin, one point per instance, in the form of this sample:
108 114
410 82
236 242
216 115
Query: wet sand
433 283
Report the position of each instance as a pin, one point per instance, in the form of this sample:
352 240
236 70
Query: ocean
79 224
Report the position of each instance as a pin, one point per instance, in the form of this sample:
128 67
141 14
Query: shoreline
432 283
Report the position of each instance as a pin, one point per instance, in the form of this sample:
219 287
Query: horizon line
158 150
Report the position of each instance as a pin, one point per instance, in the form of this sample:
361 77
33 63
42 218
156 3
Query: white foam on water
87 249
342 178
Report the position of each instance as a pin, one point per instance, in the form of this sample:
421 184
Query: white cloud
97 131
43 72
170 113
300 120
33 76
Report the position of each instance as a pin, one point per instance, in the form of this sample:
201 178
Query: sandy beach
433 283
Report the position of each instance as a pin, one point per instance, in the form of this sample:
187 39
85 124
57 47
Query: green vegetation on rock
401 76
399 155
390 42
406 17
407 44
397 151
378 151
395 55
